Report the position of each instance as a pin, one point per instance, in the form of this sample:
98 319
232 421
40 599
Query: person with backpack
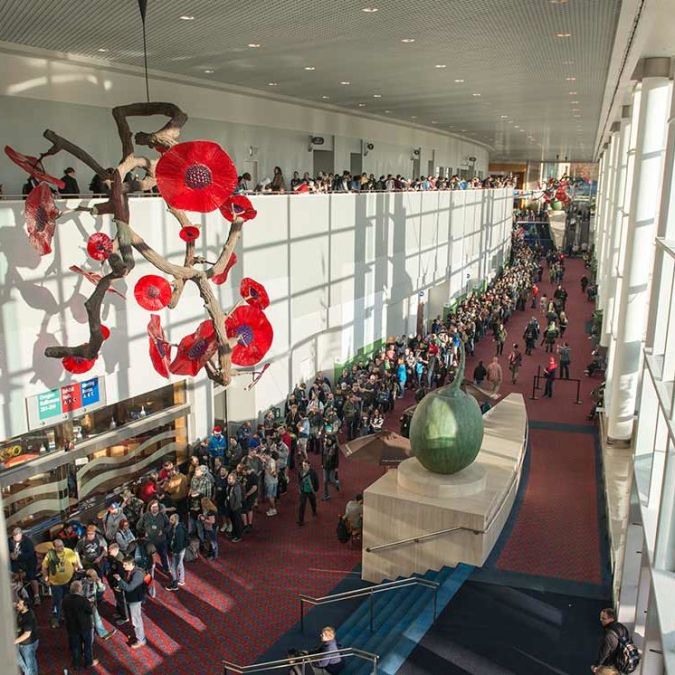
617 648
330 459
133 586
308 483
515 361
58 569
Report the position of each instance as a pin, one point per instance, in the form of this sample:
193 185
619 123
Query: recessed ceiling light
186 17
310 68
369 10
563 35
558 2
441 65
413 117
362 105
377 95
387 111
408 41
463 130
345 82
522 131
504 117
325 98
572 93
459 81
102 50
208 71
568 63
434 122
475 93
577 116
272 84
574 102
516 127
571 79
253 45
576 109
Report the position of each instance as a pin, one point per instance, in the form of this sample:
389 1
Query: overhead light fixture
504 117
345 82
325 98
475 93
377 95
310 68
563 35
369 10
407 41
459 81
102 50
186 17
387 111
516 127
253 45
272 84
413 117
209 71
463 130
577 116
572 93
574 102
576 109
434 122
362 105
568 63
440 65
571 79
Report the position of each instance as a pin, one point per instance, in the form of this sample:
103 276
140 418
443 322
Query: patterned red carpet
236 607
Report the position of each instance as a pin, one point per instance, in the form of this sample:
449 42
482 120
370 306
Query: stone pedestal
474 504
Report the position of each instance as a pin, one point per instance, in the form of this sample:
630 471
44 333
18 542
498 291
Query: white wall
40 90
342 271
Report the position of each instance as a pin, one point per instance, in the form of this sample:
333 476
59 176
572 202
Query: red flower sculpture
189 233
160 349
41 214
152 292
99 246
197 176
254 333
105 332
222 277
238 206
94 277
254 293
195 350
77 365
32 166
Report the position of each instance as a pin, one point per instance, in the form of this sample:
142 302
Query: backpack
342 531
627 656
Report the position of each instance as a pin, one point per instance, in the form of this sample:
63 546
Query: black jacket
178 538
77 613
134 585
609 649
71 188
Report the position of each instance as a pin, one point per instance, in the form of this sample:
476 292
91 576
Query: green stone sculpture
446 430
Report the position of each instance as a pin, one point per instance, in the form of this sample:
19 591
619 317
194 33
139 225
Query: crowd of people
365 182
179 513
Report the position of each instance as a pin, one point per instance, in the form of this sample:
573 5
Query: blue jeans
329 476
58 593
177 566
82 648
28 658
136 614
98 624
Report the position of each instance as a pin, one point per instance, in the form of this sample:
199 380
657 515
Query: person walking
500 338
234 500
550 336
515 361
479 374
549 375
178 541
495 375
27 639
78 616
565 356
614 643
308 483
330 460
133 586
58 568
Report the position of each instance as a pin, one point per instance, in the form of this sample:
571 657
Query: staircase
400 620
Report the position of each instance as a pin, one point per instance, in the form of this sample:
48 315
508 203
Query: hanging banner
71 400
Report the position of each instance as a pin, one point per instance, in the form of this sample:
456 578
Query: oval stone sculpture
446 430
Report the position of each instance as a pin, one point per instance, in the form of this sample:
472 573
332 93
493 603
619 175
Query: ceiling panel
506 51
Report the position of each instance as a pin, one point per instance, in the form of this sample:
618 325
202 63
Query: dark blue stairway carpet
491 629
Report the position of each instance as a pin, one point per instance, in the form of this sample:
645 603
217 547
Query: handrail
416 540
301 660
369 592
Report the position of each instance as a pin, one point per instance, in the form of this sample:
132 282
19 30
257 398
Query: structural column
652 98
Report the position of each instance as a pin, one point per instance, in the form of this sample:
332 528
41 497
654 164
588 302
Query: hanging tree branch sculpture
192 176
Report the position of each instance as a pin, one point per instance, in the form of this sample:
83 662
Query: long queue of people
368 182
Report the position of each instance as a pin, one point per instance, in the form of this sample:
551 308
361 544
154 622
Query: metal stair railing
300 661
369 592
